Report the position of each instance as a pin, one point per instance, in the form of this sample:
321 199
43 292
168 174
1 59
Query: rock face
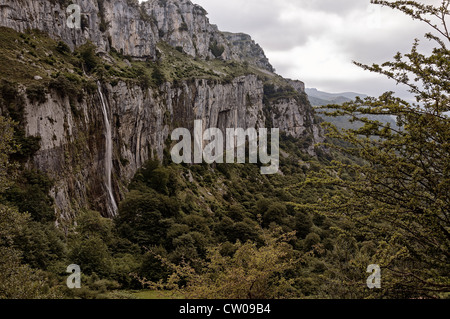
72 149
244 48
73 143
132 28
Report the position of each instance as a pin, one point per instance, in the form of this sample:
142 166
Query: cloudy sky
316 40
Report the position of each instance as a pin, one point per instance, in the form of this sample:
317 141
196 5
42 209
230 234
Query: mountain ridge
321 98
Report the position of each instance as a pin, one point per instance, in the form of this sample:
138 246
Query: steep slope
150 68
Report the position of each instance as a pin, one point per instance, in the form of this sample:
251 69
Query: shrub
92 255
62 47
158 76
30 194
216 50
36 93
68 85
311 240
88 56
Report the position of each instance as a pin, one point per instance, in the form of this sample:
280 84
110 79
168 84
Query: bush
31 194
92 255
141 217
68 85
28 146
158 76
303 224
88 56
216 50
311 240
275 213
36 93
42 245
62 47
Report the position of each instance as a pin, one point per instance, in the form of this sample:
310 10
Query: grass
26 55
33 53
155 295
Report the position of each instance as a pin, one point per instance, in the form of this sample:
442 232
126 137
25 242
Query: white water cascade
112 207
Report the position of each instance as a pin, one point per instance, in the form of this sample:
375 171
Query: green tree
216 49
18 280
6 148
141 218
88 56
252 272
30 193
399 196
92 255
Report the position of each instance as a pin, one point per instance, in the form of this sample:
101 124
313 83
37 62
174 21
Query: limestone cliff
216 87
142 122
132 28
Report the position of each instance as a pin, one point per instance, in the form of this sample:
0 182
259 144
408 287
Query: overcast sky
316 41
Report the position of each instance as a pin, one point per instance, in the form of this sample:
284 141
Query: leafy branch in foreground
239 271
400 194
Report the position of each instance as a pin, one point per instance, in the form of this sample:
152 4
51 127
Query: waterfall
112 206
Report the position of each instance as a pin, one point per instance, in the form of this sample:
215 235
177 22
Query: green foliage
398 195
158 76
37 93
22 147
227 230
34 284
141 217
152 268
30 193
275 213
252 272
92 255
7 147
303 224
160 179
273 93
216 49
62 47
214 231
88 56
11 101
67 86
311 240
42 245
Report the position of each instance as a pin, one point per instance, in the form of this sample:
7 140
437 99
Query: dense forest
374 194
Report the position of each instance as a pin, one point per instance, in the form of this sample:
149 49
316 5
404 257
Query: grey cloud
341 7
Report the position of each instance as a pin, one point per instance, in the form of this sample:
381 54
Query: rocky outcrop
244 48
